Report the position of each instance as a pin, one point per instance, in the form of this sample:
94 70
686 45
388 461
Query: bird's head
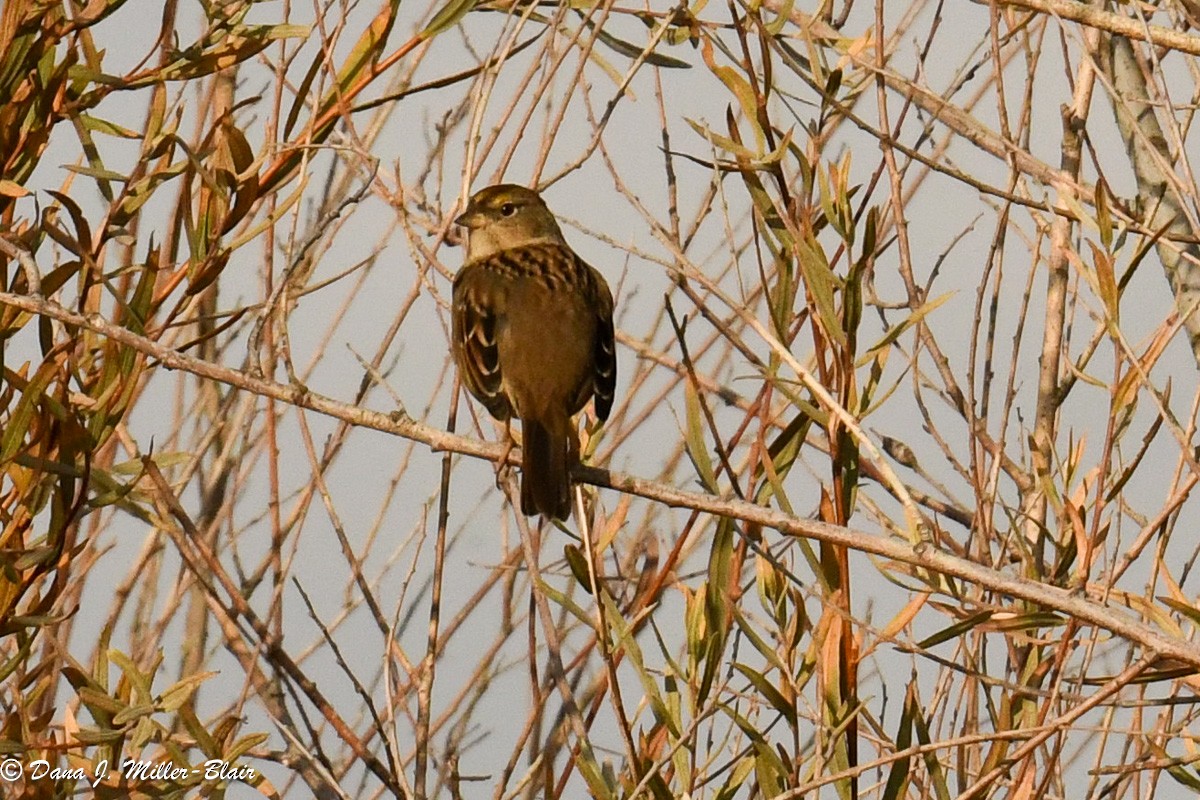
505 216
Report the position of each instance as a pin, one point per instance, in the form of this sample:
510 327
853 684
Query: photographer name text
12 769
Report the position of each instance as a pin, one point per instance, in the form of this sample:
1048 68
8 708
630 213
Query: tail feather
545 467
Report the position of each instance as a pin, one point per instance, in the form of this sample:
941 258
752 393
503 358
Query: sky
384 489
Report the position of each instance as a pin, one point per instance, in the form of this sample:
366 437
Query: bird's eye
508 209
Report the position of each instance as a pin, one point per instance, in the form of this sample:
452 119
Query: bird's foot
503 468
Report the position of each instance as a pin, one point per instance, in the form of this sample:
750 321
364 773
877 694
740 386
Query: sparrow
532 335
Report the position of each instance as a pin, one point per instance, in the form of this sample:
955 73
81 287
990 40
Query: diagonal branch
922 555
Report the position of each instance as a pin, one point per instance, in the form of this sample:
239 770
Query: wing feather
476 300
604 359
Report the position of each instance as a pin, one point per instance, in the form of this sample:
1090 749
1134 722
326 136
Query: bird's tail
546 469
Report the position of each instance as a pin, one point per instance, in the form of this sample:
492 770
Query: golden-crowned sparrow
532 335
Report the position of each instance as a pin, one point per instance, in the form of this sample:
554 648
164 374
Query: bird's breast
545 340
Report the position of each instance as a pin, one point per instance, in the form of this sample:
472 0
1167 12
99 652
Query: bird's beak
471 218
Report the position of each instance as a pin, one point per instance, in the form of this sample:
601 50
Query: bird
532 335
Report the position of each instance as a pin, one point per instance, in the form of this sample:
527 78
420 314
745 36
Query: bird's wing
473 330
604 358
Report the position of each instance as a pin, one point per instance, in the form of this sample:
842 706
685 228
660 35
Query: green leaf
783 16
18 424
822 284
627 642
245 745
98 735
697 449
131 713
912 319
178 693
138 679
755 638
244 43
955 630
1104 219
633 51
98 701
717 611
783 451
723 142
769 769
96 172
1106 283
449 16
737 777
932 763
897 781
578 566
747 158
739 87
300 98
773 697
110 128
